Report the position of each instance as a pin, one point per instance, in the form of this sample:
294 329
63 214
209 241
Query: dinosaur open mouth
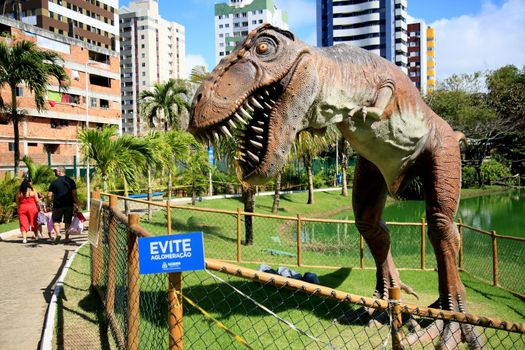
249 126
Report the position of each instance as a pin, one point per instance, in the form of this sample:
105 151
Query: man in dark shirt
63 191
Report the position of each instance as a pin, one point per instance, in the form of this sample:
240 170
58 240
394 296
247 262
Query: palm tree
39 174
179 145
307 146
23 64
124 157
346 151
164 105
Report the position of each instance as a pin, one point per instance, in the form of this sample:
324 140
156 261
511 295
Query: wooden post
361 251
460 229
423 244
168 208
133 285
495 268
238 235
394 298
110 293
96 256
175 311
299 260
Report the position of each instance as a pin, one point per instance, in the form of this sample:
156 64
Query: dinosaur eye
262 48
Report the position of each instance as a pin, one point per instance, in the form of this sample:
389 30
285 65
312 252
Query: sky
471 35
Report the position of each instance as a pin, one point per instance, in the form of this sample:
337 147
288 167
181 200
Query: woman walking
27 203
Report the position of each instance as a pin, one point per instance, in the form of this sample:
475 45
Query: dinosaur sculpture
273 86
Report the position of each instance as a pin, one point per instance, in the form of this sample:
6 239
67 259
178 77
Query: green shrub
8 187
469 177
319 180
492 170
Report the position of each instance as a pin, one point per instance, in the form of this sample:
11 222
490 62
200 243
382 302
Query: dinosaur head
259 95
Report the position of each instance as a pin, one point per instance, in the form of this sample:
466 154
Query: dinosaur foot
446 335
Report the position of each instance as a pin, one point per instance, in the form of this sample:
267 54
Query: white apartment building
234 20
379 26
152 50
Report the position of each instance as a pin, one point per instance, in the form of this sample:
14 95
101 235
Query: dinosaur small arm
273 86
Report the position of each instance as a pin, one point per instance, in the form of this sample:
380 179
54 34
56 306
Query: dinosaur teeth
216 135
248 107
266 115
266 92
226 132
253 156
256 103
267 105
259 137
232 124
257 129
244 113
240 119
261 123
256 144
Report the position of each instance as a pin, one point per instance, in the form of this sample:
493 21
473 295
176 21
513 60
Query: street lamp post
88 185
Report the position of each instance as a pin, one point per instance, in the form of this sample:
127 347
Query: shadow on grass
90 304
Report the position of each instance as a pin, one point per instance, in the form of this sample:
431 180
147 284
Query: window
19 91
11 146
93 102
142 36
143 74
220 26
143 64
142 46
104 104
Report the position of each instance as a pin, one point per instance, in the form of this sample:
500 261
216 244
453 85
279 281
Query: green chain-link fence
229 307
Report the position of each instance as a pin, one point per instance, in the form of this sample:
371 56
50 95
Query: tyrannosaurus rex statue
272 86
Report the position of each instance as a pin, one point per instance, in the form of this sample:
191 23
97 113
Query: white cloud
192 61
488 40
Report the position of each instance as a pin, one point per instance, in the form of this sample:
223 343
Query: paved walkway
28 275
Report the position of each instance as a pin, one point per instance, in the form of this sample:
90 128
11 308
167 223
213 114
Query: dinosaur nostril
199 96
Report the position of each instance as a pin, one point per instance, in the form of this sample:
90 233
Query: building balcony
356 19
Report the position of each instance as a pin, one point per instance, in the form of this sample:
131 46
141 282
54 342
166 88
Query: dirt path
28 275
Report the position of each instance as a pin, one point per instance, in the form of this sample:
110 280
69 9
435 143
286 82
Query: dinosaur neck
343 83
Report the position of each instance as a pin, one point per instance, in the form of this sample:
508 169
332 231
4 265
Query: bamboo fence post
495 269
95 251
460 229
133 285
361 251
394 299
423 245
175 311
299 260
110 294
238 235
168 208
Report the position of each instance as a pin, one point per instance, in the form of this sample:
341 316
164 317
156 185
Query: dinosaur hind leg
368 200
442 189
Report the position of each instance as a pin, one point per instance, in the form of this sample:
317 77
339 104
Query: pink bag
76 226
50 227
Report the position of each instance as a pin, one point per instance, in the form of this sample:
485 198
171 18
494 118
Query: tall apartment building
235 19
51 136
375 25
94 22
152 50
421 59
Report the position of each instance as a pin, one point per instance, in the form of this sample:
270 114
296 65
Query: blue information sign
173 253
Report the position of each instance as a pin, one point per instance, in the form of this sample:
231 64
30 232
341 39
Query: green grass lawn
80 319
80 310
13 224
275 244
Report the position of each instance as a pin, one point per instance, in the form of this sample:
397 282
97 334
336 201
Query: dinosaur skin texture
273 86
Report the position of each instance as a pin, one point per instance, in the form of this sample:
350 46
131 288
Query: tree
164 105
124 157
22 64
179 144
39 174
308 146
471 112
195 170
346 151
